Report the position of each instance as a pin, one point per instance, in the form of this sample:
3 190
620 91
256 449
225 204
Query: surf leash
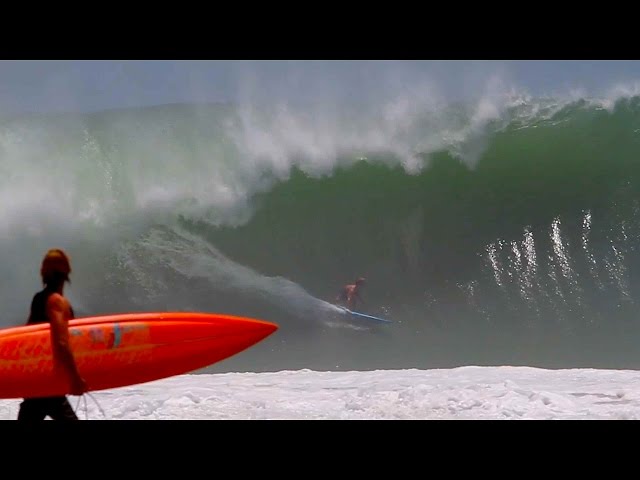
86 409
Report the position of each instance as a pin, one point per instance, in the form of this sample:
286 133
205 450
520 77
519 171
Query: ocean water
501 231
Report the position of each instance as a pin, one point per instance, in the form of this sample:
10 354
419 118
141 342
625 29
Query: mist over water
499 230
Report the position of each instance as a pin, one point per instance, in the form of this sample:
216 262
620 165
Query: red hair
55 265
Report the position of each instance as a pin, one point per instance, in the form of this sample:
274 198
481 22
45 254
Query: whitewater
463 393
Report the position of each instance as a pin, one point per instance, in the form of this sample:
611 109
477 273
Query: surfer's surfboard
363 315
123 349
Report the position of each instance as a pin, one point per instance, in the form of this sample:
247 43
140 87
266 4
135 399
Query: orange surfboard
124 349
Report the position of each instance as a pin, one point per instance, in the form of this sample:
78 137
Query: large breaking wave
498 231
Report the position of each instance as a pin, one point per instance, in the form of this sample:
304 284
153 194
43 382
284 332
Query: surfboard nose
257 329
269 327
201 326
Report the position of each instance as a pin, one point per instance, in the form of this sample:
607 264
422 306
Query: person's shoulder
56 300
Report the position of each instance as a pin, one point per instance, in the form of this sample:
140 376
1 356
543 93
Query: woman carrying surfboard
50 305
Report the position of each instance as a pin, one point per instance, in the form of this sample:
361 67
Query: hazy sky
90 85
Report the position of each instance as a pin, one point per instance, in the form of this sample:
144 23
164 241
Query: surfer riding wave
350 294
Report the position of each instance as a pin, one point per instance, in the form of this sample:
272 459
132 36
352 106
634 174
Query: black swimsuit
35 409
